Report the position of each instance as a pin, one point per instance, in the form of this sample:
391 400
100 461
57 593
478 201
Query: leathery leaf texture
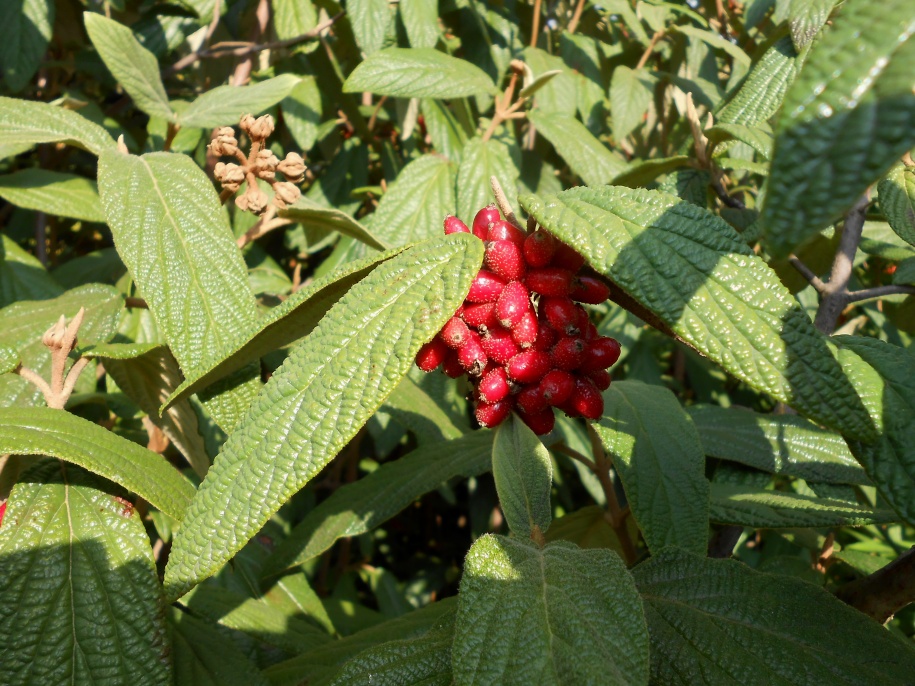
691 270
720 622
328 387
556 615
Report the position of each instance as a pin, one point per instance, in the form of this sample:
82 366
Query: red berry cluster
520 335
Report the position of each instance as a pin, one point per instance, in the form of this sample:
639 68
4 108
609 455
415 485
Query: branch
503 203
886 591
643 60
878 292
536 27
835 293
807 273
616 513
573 24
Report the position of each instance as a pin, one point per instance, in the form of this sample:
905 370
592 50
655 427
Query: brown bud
246 122
265 164
54 336
261 128
229 175
293 167
225 143
253 200
286 194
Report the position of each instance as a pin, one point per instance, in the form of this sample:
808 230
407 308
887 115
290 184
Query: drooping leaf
656 451
897 200
586 155
481 160
630 98
530 615
845 120
24 37
767 625
55 193
418 73
134 67
325 391
420 19
302 109
312 215
80 598
55 433
523 472
693 272
224 105
416 204
26 123
780 444
22 277
761 93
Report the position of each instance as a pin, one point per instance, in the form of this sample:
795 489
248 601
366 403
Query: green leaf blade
523 472
24 38
54 193
481 160
897 200
586 155
224 106
26 123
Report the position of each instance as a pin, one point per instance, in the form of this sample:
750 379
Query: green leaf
82 602
422 414
905 272
806 18
420 19
295 318
416 204
884 377
761 509
556 615
22 277
845 120
539 82
693 272
135 68
481 160
656 451
173 235
315 403
761 93
523 472
717 42
43 431
25 123
642 173
699 609
779 444
363 505
556 94
370 20
586 155
630 97
24 37
418 73
448 136
302 108
224 106
312 215
757 137
203 656
55 193
897 200
293 18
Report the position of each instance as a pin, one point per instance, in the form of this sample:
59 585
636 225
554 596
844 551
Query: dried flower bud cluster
521 335
261 163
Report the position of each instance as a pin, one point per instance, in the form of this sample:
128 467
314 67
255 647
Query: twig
170 135
835 293
643 60
616 513
535 29
502 201
243 69
878 292
374 116
503 109
722 192
883 593
576 17
574 454
807 273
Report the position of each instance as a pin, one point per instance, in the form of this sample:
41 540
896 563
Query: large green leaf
22 277
762 509
586 155
523 473
656 451
557 615
416 204
302 108
79 598
481 160
370 20
806 18
25 123
174 237
845 120
774 630
292 18
761 93
418 73
135 68
43 431
420 19
897 200
223 106
313 215
315 403
423 414
56 193
447 134
884 376
781 444
693 272
24 37
630 97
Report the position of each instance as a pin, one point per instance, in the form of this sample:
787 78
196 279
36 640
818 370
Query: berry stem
503 203
617 514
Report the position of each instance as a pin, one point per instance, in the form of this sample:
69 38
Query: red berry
503 230
493 414
557 386
531 400
504 259
454 225
499 345
494 385
472 356
540 423
527 330
600 353
3 510
547 338
539 248
549 281
567 258
586 400
600 378
452 366
431 355
528 366
513 302
561 313
567 353
587 289
483 219
455 333
480 316
486 288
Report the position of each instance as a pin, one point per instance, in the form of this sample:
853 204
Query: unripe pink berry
539 248
431 355
494 385
549 281
454 225
526 331
600 353
486 288
587 289
540 423
531 400
482 315
472 356
586 400
567 258
528 366
513 302
455 333
557 386
561 313
499 345
504 259
567 353
483 219
503 230
493 414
